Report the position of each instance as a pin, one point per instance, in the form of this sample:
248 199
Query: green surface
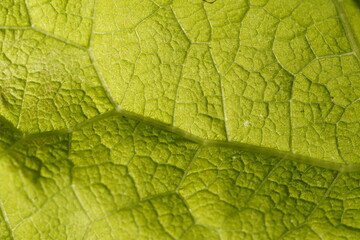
183 119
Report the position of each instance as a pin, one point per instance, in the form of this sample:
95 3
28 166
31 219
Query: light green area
273 74
47 84
160 119
118 15
71 20
118 177
14 13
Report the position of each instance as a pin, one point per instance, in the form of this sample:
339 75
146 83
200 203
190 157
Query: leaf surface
179 119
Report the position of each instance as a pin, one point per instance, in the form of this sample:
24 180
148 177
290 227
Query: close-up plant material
180 119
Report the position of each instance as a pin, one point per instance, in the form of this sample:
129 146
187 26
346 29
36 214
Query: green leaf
179 119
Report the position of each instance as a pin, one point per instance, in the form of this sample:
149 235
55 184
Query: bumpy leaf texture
179 119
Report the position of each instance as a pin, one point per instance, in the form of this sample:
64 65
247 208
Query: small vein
131 79
81 203
222 95
187 231
338 148
101 78
159 221
26 82
291 115
182 65
134 205
22 104
7 222
95 64
208 20
189 167
268 175
347 27
178 85
28 12
60 38
146 18
15 28
93 25
326 194
177 20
